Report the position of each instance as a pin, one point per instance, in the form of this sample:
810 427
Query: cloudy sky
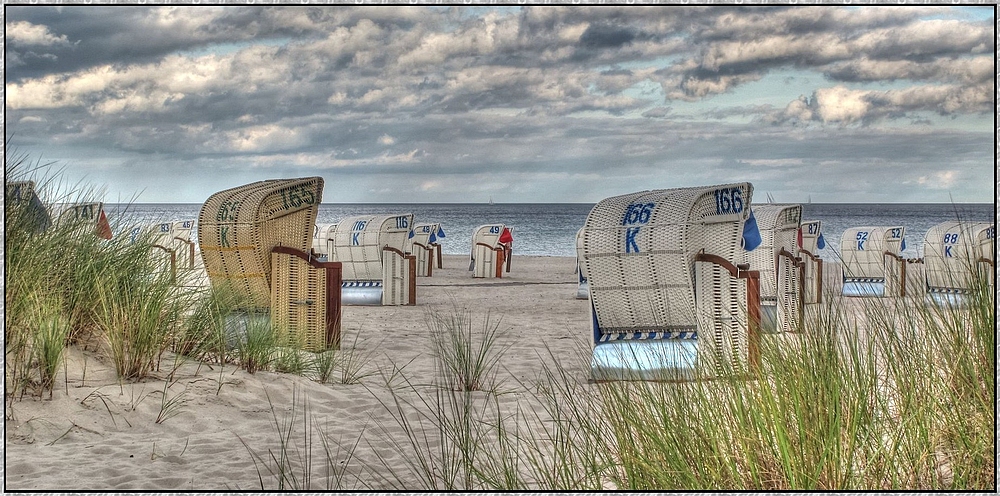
535 104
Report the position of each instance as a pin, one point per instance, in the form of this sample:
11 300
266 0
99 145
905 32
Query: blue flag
410 236
440 232
751 233
433 238
821 243
902 244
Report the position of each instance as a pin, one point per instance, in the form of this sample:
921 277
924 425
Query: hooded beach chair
810 240
780 266
671 297
88 217
954 259
21 199
872 264
491 247
255 241
583 287
173 239
377 270
423 244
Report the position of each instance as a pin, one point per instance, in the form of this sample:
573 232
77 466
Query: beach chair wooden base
361 293
583 290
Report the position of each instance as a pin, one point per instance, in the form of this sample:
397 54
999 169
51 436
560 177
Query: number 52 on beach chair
255 241
671 298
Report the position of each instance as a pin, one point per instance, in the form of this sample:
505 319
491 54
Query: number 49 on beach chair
491 247
255 241
671 298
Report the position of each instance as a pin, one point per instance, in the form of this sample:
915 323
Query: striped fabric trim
626 336
948 290
361 284
864 279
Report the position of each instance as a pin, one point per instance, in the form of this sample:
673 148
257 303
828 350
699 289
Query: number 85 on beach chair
255 241
670 296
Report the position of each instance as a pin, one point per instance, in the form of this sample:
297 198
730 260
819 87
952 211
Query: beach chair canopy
952 251
777 259
661 265
863 249
810 236
22 199
810 240
238 228
491 246
423 243
87 216
358 242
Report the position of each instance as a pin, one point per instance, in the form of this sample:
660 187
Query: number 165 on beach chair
670 296
255 241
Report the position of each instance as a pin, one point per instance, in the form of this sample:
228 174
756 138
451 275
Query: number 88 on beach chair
955 256
255 241
670 296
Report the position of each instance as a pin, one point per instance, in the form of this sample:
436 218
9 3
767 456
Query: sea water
549 229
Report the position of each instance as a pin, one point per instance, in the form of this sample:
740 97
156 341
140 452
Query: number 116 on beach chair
671 298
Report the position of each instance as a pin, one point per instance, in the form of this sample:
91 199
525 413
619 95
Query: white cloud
32 34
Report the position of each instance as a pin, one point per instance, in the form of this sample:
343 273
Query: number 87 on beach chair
670 296
255 241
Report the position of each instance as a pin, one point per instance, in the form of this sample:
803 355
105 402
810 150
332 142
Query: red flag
103 228
800 238
506 237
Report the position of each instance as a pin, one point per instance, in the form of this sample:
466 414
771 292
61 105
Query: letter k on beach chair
872 265
777 259
955 256
670 296
255 240
376 269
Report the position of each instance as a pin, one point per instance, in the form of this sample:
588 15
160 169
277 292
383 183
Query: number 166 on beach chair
670 296
255 241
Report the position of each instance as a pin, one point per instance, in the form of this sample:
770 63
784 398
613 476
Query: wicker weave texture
485 257
722 320
238 227
420 246
862 248
298 303
358 242
951 252
638 254
779 275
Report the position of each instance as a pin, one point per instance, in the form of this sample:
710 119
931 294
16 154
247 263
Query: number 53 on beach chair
255 241
671 298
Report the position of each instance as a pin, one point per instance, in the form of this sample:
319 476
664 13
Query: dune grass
874 394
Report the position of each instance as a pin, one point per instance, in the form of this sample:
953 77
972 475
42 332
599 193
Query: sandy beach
99 434
200 427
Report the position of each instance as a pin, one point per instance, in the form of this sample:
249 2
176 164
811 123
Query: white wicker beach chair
87 217
671 298
953 259
872 265
810 242
422 243
21 199
488 251
256 242
583 287
780 266
376 269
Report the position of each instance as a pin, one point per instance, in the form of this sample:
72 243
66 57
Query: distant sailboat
491 200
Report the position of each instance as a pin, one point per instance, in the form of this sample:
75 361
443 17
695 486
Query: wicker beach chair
422 243
810 242
671 298
780 266
255 241
376 269
491 247
872 264
953 260
583 286
85 217
21 199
